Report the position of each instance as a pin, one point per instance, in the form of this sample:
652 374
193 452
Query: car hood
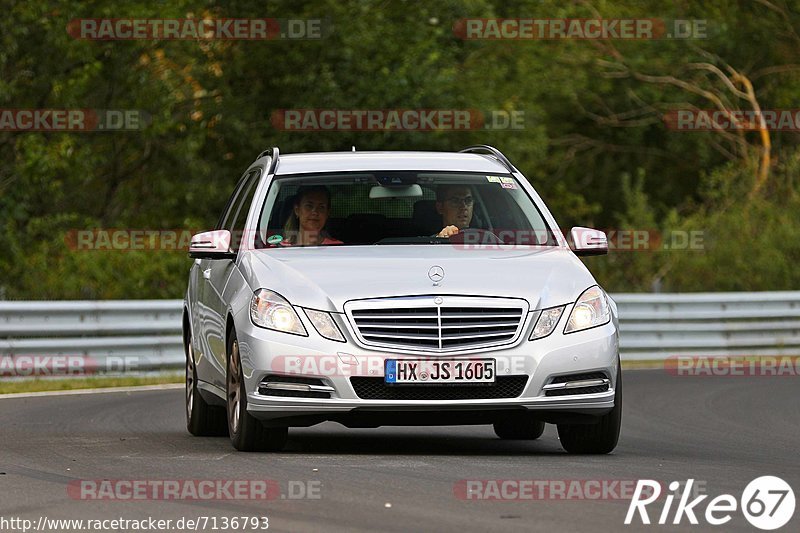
326 278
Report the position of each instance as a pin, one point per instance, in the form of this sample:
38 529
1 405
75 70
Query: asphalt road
723 432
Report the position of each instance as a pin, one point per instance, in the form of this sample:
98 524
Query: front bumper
270 353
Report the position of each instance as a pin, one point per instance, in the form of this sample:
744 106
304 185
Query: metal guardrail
652 326
127 335
656 326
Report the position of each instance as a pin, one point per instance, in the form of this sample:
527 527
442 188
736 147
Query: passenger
306 225
454 203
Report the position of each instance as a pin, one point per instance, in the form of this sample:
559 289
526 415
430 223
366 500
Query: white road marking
106 390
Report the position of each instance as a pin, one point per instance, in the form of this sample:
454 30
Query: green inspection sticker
493 179
274 239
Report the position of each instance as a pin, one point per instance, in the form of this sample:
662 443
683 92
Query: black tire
599 438
202 419
247 433
522 428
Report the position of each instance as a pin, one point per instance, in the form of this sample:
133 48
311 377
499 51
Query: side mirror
212 245
588 241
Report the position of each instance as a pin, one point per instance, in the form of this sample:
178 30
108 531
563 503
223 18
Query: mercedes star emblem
436 273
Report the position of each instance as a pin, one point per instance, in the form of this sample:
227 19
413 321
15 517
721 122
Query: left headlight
546 322
270 310
590 310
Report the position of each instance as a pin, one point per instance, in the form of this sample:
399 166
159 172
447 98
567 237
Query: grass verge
56 384
645 364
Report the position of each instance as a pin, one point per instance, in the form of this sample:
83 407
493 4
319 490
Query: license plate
424 371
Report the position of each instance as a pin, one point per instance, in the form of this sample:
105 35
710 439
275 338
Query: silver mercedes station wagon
397 288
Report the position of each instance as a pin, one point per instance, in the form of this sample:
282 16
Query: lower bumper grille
294 387
592 381
293 393
579 377
368 388
580 390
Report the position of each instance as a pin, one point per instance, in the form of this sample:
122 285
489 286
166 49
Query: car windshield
423 208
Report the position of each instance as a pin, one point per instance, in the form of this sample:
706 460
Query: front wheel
598 438
247 433
202 419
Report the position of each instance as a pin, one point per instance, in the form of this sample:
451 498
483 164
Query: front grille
368 388
457 323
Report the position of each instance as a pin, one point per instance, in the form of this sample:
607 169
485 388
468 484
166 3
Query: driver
454 203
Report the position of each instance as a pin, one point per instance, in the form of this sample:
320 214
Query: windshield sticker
507 180
493 179
508 185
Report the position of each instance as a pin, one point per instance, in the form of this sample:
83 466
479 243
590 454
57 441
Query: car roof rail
485 148
274 153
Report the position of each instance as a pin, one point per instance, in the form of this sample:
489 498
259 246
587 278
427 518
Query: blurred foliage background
594 143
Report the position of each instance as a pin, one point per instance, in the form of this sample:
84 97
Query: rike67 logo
767 503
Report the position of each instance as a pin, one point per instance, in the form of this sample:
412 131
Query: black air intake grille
368 388
580 390
274 378
579 377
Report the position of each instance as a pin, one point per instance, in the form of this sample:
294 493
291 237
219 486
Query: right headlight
324 324
272 311
590 310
